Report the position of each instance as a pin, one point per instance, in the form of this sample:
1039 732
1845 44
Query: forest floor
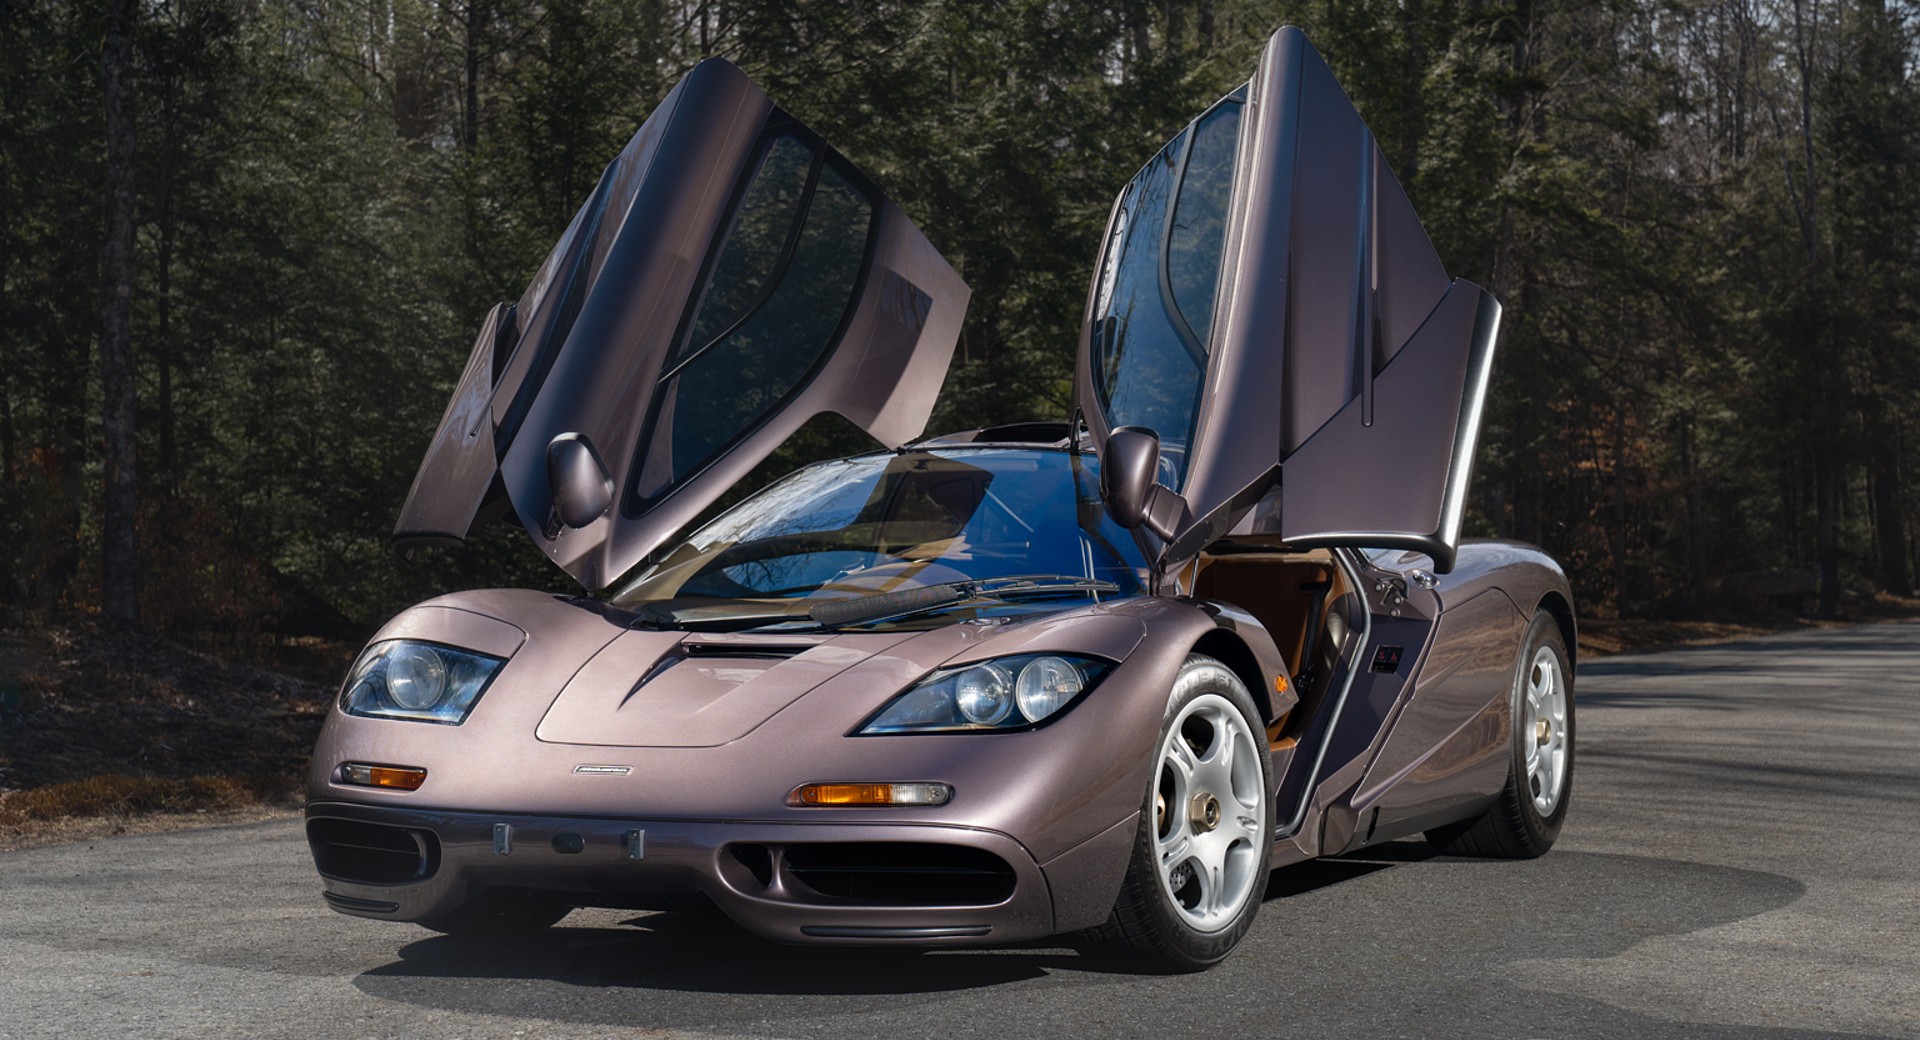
108 732
105 732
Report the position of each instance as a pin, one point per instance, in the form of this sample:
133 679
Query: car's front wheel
1201 854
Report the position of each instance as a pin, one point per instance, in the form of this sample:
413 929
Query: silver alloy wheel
1209 806
1545 730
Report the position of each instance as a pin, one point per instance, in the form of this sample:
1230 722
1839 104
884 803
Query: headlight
1007 693
425 682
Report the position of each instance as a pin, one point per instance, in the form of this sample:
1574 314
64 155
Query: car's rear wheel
496 915
1200 857
1526 819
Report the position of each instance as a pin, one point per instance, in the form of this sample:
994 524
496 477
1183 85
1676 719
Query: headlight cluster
425 682
1001 694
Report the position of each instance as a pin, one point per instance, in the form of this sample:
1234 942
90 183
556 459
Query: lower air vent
901 873
372 853
758 859
351 905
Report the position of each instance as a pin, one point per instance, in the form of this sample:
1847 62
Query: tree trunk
6 429
119 585
1889 522
1696 524
6 392
1412 14
1745 31
1829 386
162 345
470 119
1826 480
1618 536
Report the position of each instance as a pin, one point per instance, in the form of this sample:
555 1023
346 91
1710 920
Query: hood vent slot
718 651
741 651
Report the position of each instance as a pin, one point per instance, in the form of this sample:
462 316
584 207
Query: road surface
1742 860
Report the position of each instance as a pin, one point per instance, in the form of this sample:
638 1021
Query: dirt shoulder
105 732
1600 637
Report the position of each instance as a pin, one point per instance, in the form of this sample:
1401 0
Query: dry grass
116 794
90 828
1602 636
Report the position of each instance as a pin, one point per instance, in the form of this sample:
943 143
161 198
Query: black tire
1514 827
496 916
1149 929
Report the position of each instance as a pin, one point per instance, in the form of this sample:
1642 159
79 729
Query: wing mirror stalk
582 491
1129 465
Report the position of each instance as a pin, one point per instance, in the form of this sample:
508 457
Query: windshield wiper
892 606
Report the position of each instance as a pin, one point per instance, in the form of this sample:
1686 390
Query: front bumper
834 883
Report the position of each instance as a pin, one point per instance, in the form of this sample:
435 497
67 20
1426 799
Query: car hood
655 688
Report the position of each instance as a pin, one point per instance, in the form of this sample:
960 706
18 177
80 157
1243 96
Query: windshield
886 523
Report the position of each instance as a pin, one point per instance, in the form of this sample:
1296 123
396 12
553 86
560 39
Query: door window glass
1158 280
1200 218
1145 373
767 341
760 232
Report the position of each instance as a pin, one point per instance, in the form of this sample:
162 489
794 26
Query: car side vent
372 853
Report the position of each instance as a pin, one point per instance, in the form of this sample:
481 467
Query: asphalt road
1741 861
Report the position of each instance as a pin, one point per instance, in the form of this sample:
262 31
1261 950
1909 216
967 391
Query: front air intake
900 873
372 853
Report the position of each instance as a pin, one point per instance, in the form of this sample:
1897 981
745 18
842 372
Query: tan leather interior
1273 587
1278 589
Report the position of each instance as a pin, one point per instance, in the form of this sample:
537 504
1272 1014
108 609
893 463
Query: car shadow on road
701 950
1325 924
1316 874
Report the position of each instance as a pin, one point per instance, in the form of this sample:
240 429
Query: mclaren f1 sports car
1093 677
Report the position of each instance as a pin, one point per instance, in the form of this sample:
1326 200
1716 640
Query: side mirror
1128 464
1129 471
582 491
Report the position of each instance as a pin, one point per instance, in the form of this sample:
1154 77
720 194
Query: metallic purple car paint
1078 777
667 199
1342 349
695 739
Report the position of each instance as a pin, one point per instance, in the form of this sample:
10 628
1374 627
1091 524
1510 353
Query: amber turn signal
1279 684
822 795
399 778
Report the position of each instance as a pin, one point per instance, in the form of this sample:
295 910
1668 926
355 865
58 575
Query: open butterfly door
731 277
1269 305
